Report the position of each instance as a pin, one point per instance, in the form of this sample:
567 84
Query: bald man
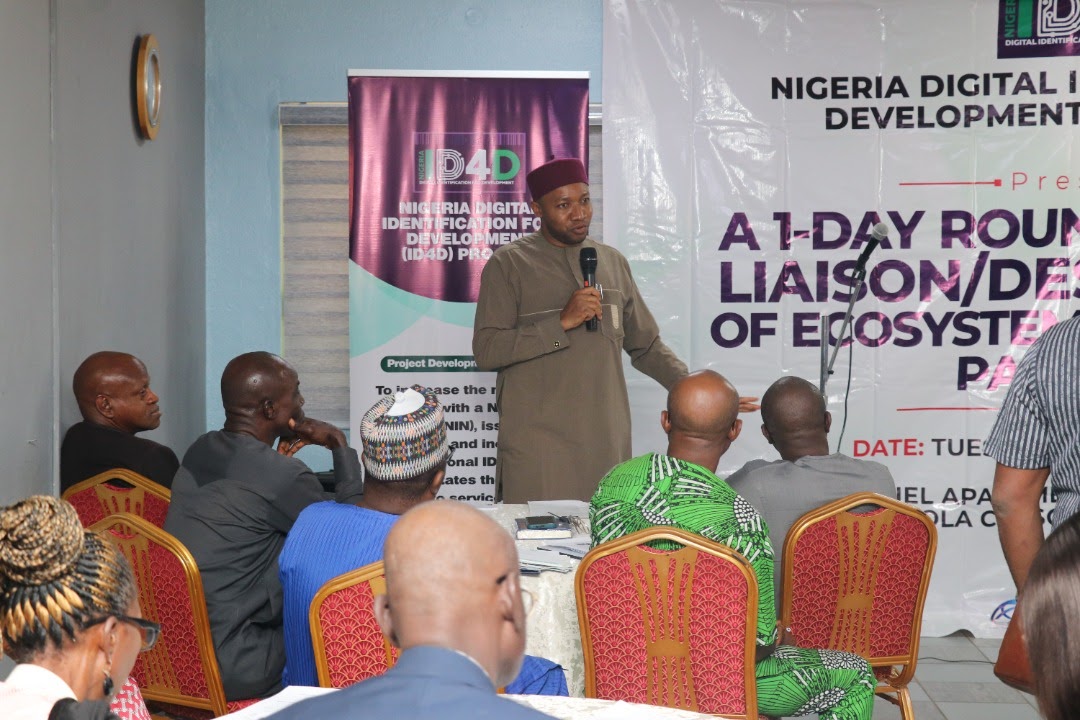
680 489
796 423
116 402
235 497
455 610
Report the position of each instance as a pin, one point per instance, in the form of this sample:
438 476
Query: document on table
289 696
536 559
575 547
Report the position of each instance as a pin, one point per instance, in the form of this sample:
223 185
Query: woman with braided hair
69 610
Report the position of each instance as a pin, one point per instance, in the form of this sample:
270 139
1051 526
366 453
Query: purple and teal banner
437 167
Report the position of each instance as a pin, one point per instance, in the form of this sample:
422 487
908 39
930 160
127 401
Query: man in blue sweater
405 454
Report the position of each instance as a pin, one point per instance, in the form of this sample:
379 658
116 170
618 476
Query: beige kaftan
564 415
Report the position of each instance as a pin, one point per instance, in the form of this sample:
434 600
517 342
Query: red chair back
96 498
671 628
182 669
857 581
348 644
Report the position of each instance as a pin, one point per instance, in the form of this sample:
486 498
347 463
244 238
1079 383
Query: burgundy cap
554 174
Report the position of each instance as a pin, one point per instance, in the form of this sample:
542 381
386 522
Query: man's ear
665 421
766 433
268 409
828 421
103 403
385 619
436 482
736 428
535 208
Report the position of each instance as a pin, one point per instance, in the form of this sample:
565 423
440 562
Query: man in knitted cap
564 415
405 454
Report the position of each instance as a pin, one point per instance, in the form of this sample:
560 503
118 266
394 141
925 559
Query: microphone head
587 260
880 232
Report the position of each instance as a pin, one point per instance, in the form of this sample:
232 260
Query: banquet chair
95 498
857 581
180 674
348 644
674 628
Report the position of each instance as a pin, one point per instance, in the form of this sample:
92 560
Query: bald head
261 393
701 420
113 389
452 580
795 419
703 404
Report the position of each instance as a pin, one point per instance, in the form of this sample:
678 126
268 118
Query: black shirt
89 449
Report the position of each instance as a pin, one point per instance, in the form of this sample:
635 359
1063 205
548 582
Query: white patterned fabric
552 625
128 703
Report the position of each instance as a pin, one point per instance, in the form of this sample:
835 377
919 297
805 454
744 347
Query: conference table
564 708
552 624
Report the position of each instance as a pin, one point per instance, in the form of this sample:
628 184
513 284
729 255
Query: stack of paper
575 547
539 560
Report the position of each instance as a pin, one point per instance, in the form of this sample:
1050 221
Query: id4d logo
1038 28
457 161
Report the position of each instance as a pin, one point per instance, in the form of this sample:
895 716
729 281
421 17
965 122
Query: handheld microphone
588 274
879 233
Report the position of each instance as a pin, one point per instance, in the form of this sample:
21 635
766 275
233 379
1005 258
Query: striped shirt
1039 423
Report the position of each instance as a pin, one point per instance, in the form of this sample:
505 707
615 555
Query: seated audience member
1051 615
234 500
681 490
405 454
453 605
794 421
116 402
70 614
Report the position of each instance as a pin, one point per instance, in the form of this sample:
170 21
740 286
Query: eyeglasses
528 600
148 629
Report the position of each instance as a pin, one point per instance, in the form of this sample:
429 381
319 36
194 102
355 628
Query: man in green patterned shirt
681 489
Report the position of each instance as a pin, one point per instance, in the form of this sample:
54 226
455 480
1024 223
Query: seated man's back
796 422
405 454
680 489
234 500
457 647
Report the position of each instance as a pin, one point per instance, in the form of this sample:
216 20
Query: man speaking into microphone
564 415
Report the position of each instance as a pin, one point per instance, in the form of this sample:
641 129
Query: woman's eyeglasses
148 629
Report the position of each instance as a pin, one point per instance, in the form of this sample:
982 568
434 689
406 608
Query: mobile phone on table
541 522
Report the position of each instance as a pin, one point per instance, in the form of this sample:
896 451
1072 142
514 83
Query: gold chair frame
692 545
109 497
851 627
156 662
374 575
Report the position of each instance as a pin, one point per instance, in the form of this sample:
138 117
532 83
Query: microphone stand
827 362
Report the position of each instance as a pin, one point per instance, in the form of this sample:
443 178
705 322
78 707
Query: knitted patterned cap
404 435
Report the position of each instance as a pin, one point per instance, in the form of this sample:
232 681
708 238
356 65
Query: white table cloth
552 625
573 708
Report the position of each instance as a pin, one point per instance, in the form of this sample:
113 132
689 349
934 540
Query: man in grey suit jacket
794 421
453 605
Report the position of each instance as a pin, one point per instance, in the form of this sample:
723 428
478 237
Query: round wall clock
148 86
